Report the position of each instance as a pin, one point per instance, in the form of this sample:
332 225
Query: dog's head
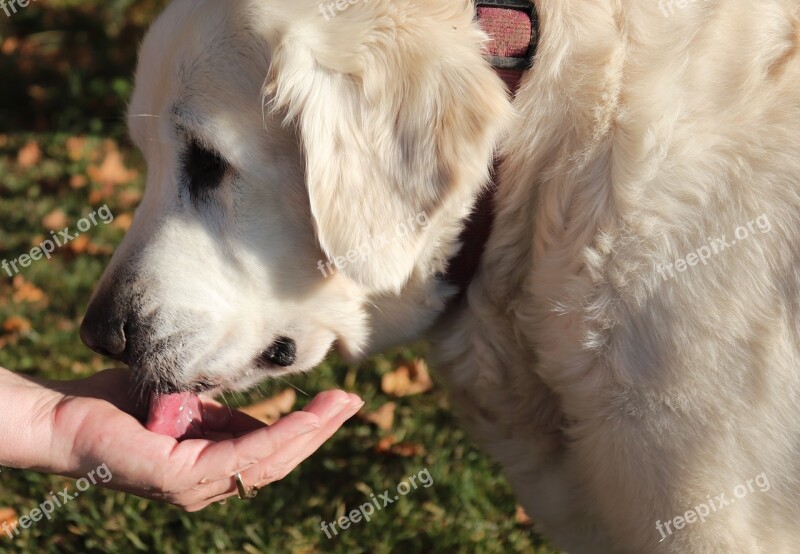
309 167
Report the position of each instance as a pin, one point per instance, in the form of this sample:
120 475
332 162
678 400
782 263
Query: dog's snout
282 353
103 328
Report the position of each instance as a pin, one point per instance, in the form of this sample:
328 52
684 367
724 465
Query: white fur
613 398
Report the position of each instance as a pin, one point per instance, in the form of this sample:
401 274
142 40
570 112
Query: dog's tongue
179 415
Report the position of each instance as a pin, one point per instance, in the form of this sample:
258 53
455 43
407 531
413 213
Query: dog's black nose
282 353
103 330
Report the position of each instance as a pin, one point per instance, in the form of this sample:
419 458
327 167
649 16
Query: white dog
629 348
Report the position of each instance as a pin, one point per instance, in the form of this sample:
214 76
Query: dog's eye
203 168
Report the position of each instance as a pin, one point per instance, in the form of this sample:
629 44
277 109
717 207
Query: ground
65 69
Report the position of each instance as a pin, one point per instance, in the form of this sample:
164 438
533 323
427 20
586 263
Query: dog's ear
399 113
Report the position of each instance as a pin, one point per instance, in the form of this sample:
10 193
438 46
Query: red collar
513 27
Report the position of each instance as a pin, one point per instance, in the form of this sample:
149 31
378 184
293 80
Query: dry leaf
9 46
270 410
383 417
99 196
25 291
17 325
55 220
37 92
522 517
123 221
129 198
409 378
389 445
385 444
79 368
408 449
79 244
8 517
75 148
29 155
78 181
112 171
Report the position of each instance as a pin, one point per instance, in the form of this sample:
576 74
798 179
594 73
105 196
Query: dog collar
513 29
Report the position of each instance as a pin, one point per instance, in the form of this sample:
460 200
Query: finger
280 464
217 417
215 461
112 385
333 417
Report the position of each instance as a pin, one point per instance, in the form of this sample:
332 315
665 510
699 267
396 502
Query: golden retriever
629 348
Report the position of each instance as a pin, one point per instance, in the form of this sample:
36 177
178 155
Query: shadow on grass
68 65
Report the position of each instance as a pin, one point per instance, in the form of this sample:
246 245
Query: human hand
94 423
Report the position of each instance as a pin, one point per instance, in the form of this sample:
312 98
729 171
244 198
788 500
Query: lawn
65 69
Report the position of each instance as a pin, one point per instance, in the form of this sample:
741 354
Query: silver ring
245 493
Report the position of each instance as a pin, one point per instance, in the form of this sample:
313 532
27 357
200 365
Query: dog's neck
512 26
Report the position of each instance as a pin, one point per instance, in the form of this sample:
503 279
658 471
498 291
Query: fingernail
310 428
341 405
358 405
345 400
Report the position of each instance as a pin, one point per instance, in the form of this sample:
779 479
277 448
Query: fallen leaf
9 46
79 368
383 417
123 221
111 172
408 449
79 244
385 444
17 325
75 148
522 517
270 410
389 445
76 530
66 325
55 220
78 181
407 379
37 92
8 517
129 198
24 291
29 155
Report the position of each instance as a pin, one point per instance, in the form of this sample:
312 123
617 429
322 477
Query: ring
245 493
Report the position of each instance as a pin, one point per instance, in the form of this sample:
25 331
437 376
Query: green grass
65 68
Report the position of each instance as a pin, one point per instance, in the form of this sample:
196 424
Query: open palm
95 422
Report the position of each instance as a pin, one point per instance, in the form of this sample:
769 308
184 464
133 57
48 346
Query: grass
66 68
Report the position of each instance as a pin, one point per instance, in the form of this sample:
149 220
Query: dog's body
617 353
618 394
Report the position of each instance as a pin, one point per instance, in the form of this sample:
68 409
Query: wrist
27 438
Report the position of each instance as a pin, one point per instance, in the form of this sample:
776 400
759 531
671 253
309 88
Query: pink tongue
179 416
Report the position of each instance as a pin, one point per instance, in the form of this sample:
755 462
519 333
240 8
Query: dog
628 347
